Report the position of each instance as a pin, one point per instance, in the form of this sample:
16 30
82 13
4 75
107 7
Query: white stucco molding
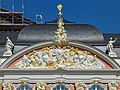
115 72
80 45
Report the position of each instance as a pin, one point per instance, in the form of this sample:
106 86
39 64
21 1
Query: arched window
96 87
24 87
60 87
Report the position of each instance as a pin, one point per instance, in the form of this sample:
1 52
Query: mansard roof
45 32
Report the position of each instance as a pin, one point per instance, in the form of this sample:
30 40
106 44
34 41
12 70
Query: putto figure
8 47
80 86
7 86
113 85
110 49
41 85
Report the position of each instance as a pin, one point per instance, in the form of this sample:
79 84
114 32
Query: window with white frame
60 87
24 87
96 87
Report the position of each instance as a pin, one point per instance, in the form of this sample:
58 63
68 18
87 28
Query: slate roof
37 33
77 32
43 34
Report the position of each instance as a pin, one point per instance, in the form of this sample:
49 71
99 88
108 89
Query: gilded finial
59 7
61 35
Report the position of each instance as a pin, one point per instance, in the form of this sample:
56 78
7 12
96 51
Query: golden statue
59 7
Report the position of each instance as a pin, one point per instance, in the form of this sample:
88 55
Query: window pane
96 87
60 87
24 87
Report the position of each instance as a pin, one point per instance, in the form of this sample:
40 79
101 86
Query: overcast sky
104 14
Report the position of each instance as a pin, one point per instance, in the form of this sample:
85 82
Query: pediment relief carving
65 57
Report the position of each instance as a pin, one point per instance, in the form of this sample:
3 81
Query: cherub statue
8 47
41 86
113 85
110 50
80 86
7 86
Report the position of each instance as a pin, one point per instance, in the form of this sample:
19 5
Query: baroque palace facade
59 55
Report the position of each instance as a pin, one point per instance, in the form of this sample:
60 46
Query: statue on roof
110 49
8 47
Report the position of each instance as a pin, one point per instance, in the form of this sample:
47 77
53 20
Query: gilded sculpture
61 35
60 57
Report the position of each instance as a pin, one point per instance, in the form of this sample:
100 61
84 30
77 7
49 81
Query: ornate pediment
65 57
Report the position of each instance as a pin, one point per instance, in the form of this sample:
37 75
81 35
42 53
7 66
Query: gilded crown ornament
59 7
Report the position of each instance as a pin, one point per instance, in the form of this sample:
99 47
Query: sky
103 14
